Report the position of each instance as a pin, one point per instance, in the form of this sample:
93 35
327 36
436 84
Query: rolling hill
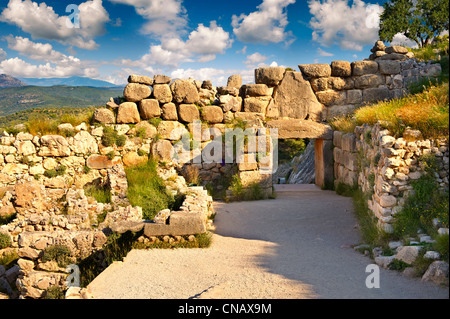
72 81
13 100
7 81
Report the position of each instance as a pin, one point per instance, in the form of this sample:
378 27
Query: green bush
5 241
99 191
111 137
147 190
59 171
59 253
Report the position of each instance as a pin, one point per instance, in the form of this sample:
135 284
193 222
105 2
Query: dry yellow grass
427 111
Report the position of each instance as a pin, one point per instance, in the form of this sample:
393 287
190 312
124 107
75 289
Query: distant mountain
72 81
17 99
7 81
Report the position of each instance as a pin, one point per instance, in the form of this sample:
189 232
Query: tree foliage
418 20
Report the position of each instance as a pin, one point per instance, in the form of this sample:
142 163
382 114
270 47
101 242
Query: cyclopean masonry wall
383 165
155 114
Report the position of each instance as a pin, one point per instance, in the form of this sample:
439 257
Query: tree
418 20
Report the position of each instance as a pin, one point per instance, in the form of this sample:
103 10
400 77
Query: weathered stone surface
184 91
104 116
256 104
437 272
162 93
162 150
169 112
296 99
84 143
29 196
378 46
134 92
315 70
354 96
230 103
364 67
331 97
54 145
188 113
368 81
375 94
207 84
341 68
389 67
171 130
212 114
393 56
145 128
128 113
180 224
319 84
257 90
161 79
149 108
396 49
234 81
141 79
25 148
301 129
99 162
271 76
408 254
133 158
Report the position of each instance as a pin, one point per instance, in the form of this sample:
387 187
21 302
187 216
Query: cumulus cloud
56 64
266 25
2 54
218 77
164 17
41 22
324 53
351 26
255 58
202 45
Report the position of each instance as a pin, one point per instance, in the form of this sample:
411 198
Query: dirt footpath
297 246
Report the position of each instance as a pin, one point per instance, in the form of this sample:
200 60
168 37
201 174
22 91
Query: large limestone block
389 67
171 130
128 113
149 109
315 70
169 112
375 94
180 224
84 143
54 145
396 49
256 104
212 114
368 81
234 81
271 76
141 79
161 79
364 67
341 68
162 93
134 92
184 91
162 150
230 103
104 116
99 162
296 99
331 97
408 254
257 90
188 113
301 129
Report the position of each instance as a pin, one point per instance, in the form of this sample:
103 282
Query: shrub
55 292
99 191
111 137
442 245
59 253
59 171
5 241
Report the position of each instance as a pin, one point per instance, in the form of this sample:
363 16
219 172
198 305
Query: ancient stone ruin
42 177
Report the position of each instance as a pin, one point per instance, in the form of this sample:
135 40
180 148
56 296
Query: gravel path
297 246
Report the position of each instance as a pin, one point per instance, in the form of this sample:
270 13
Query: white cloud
218 77
2 54
203 45
56 64
351 26
324 53
267 25
19 68
401 39
41 22
255 58
164 17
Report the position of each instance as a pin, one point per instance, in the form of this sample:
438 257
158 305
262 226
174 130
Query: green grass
147 190
111 137
100 192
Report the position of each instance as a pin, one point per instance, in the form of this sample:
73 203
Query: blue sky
204 39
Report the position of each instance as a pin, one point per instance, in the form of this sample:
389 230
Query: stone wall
372 159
